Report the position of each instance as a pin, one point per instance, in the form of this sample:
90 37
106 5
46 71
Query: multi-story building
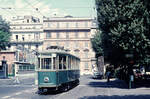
27 32
74 35
26 37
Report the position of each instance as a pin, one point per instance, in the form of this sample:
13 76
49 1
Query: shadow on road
52 92
142 83
104 84
49 93
118 84
117 97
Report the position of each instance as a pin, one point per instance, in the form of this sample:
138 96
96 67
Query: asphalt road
88 89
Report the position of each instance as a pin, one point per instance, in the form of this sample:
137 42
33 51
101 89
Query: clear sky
48 8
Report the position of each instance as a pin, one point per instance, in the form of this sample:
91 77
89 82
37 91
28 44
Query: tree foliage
96 44
4 34
124 26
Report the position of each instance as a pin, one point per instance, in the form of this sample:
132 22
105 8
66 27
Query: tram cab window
46 63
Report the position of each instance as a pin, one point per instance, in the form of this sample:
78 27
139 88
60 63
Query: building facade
74 35
27 33
26 37
10 57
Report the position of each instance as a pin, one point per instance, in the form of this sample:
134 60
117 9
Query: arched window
86 53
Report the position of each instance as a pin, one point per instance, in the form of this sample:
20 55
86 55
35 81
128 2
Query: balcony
27 30
66 28
26 41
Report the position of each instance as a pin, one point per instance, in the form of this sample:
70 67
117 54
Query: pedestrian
108 76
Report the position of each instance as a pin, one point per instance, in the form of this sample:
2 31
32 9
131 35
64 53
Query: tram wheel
65 87
40 90
78 82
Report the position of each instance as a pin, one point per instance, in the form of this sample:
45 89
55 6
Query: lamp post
129 55
36 65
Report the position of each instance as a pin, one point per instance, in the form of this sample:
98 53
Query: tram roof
56 51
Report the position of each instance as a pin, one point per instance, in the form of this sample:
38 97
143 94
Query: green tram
57 70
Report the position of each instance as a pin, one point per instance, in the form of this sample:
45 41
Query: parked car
138 74
97 75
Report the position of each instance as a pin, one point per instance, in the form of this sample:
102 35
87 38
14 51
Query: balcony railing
34 41
26 30
66 28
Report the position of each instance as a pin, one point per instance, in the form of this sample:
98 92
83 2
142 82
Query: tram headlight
46 79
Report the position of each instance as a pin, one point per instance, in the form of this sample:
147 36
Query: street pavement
88 88
23 78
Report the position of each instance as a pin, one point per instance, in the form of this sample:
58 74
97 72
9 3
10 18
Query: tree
124 26
96 44
4 34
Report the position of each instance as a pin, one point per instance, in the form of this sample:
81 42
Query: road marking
28 91
83 85
5 97
18 93
18 85
12 98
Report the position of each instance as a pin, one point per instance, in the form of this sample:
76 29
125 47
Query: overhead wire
10 13
37 9
34 7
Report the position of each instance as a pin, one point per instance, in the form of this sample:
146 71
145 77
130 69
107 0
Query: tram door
62 73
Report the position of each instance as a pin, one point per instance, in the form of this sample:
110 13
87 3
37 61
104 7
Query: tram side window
72 63
38 62
46 63
69 62
60 62
54 63
64 62
75 63
78 64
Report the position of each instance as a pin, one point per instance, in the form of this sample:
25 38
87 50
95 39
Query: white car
97 75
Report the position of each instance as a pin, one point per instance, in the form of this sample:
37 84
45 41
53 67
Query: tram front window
46 63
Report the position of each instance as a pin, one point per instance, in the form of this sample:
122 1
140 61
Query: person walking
108 76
